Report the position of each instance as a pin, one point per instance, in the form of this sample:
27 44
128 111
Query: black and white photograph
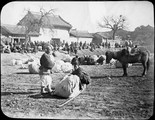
77 60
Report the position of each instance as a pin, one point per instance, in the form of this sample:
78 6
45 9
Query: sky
84 15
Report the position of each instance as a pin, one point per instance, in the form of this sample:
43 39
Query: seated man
74 83
84 77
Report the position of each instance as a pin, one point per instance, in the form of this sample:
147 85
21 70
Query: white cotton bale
67 58
33 68
25 61
24 66
94 57
60 62
129 65
68 87
36 60
19 62
112 61
57 66
66 67
57 54
13 62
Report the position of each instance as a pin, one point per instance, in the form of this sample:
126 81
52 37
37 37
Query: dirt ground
116 97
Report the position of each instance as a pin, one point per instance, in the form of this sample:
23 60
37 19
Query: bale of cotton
57 66
19 62
94 57
24 66
67 58
112 63
33 68
13 62
27 60
36 60
67 67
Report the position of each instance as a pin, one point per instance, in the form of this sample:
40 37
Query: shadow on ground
11 93
24 73
38 96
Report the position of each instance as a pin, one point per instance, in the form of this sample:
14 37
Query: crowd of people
34 47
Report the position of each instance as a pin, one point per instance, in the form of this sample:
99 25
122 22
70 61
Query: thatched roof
14 30
80 34
50 20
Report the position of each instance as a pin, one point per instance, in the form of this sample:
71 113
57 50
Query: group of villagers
70 86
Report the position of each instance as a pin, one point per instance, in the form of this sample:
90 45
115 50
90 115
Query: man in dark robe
84 77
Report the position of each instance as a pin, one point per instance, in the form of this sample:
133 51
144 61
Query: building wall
63 35
47 35
74 39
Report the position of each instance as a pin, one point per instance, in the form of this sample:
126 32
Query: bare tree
32 24
113 23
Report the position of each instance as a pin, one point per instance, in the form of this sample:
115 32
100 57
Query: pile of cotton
27 60
129 64
57 54
33 67
36 60
57 66
61 66
24 66
13 62
19 62
68 86
67 58
16 62
61 56
94 57
112 63
66 67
